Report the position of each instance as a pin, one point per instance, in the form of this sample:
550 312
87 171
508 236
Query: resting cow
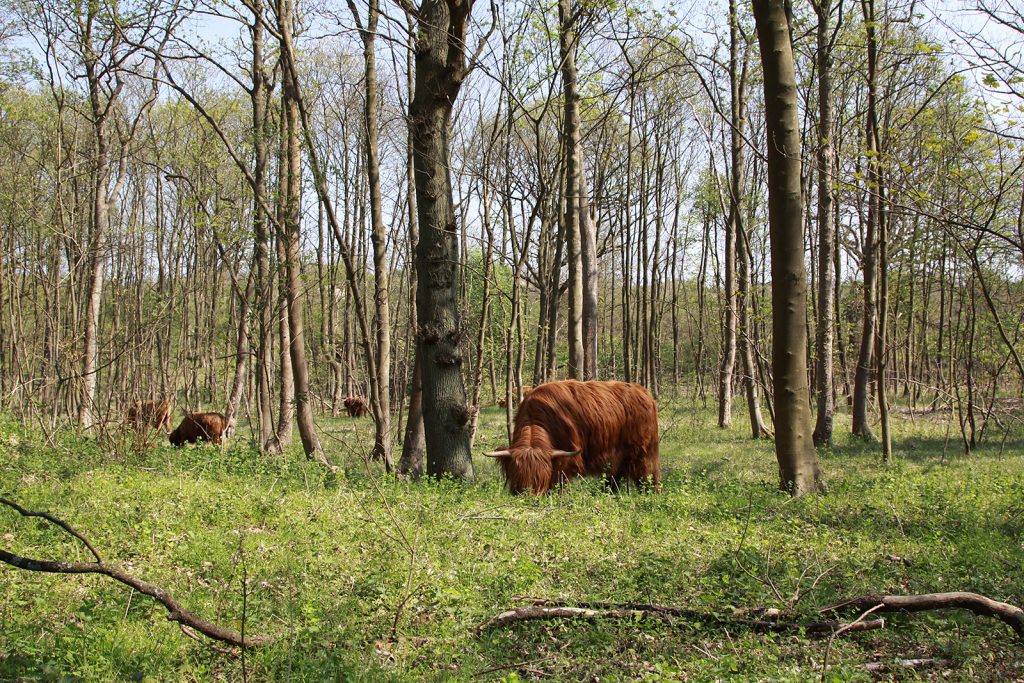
356 406
156 414
570 429
199 427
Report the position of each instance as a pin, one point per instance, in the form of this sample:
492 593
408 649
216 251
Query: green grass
330 561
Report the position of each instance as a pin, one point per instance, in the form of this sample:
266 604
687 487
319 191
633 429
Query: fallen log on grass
1009 614
543 609
175 612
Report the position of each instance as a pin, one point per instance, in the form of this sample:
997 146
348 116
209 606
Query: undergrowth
361 577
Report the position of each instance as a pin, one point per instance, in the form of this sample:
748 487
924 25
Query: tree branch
175 612
979 604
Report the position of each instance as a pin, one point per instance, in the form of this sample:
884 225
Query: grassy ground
362 578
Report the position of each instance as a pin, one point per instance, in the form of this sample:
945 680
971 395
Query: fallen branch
175 612
979 604
559 609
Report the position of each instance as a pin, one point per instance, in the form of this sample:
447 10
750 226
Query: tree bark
291 226
259 96
411 462
866 359
798 463
732 224
572 185
100 107
588 244
241 357
381 398
440 71
826 233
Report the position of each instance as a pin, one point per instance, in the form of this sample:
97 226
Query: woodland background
216 202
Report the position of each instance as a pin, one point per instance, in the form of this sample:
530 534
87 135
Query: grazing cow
156 414
569 429
199 427
356 406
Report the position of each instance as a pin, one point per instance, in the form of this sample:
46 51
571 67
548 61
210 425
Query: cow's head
531 469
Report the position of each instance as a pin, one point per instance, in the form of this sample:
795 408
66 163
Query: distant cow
199 427
570 429
156 414
356 406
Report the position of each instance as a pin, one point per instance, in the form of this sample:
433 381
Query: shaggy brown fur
356 406
570 429
156 414
199 427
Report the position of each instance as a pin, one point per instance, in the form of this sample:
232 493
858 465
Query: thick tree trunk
440 71
798 463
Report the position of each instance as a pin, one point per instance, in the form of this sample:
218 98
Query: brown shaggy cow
156 414
356 406
199 427
570 429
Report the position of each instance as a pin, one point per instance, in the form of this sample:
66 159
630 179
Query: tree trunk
260 95
572 186
798 463
291 228
865 361
241 356
588 243
286 391
411 462
381 398
732 224
826 232
100 108
746 343
440 70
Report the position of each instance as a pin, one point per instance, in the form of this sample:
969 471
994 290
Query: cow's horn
498 454
564 454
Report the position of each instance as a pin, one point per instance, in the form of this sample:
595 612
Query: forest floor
361 577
